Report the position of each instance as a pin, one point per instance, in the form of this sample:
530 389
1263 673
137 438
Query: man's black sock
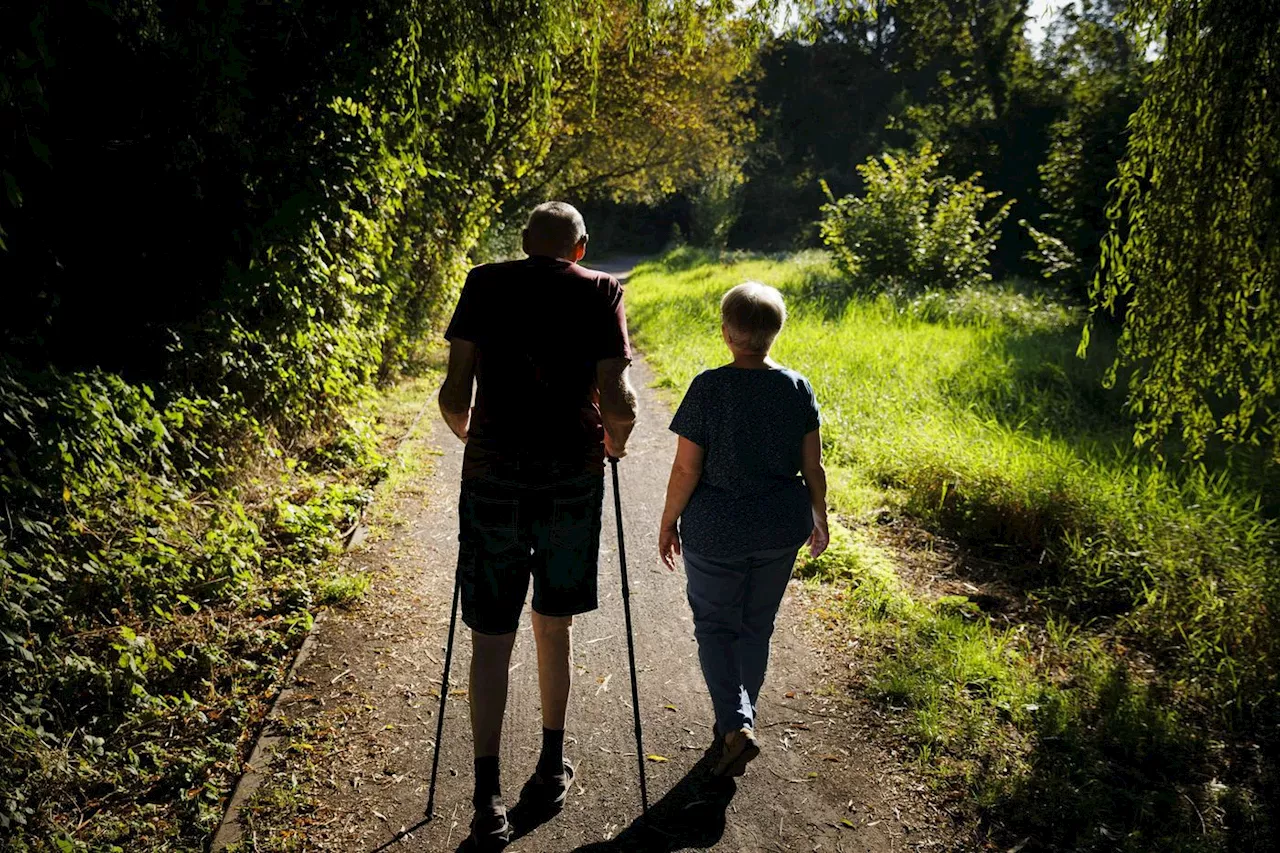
487 784
551 762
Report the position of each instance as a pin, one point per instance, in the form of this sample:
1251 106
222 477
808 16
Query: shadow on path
402 835
692 814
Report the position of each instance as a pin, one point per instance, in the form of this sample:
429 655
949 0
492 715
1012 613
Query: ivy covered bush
912 229
152 588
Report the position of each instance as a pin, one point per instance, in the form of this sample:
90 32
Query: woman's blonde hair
753 313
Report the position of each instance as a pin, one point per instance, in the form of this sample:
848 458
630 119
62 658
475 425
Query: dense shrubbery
210 266
220 227
912 229
159 560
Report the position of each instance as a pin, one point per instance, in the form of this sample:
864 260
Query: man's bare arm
455 394
617 403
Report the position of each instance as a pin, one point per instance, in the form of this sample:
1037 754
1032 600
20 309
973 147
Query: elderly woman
747 490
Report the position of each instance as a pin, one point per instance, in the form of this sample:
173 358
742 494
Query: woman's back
751 424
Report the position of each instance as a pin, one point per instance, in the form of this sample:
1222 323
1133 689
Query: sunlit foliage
659 116
913 229
1192 258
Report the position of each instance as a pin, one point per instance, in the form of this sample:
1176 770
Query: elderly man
546 342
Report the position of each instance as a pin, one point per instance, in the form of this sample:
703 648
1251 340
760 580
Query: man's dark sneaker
548 793
490 830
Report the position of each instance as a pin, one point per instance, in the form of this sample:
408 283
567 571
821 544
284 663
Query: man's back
540 326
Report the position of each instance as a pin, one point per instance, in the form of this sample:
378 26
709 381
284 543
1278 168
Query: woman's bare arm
686 471
815 477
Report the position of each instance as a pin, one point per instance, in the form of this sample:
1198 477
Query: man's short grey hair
556 224
753 313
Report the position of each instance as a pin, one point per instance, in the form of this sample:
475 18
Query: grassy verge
1129 704
282 812
175 685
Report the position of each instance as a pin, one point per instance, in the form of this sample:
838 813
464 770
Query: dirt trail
821 783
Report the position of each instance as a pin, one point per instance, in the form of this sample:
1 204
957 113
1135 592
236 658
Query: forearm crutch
631 645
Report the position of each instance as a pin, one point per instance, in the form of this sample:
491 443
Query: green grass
970 413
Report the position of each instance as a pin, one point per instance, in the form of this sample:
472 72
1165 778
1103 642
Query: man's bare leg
555 666
490 659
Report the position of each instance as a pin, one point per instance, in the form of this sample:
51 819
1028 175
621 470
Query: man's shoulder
523 268
496 270
602 280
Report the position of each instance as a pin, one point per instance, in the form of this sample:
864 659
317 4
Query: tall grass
985 423
970 412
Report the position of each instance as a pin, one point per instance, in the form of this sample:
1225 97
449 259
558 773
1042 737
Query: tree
823 101
990 104
665 115
640 121
1100 66
868 77
1193 250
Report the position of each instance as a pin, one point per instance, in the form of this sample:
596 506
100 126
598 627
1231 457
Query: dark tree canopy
960 75
1100 66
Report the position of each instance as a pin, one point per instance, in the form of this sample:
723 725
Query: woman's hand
819 539
669 545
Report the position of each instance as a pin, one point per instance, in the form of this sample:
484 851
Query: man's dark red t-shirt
539 326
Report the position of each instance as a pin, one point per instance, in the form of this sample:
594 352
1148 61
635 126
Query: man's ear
524 241
580 249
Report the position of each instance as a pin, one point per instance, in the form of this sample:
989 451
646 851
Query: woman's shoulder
792 376
703 377
711 377
729 375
